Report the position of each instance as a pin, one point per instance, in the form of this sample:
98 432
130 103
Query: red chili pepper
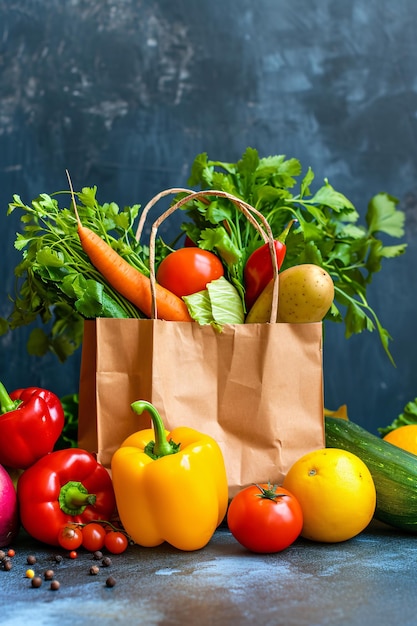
66 486
258 271
31 422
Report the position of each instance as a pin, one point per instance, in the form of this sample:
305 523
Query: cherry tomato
188 270
70 537
265 518
115 542
93 536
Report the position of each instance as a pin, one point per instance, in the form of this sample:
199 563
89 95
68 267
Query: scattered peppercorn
48 574
58 558
6 561
55 585
98 555
110 582
2 554
94 570
73 554
106 561
11 552
36 581
31 559
30 573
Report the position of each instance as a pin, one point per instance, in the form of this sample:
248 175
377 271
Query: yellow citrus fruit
336 492
404 437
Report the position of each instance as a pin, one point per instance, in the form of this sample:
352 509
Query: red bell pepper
31 422
63 487
258 270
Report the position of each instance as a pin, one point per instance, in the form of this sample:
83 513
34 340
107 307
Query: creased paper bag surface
257 389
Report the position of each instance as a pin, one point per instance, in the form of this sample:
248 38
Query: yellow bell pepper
168 491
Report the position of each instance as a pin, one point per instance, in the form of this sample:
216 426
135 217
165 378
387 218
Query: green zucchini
393 470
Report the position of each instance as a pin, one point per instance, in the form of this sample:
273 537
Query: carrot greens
56 282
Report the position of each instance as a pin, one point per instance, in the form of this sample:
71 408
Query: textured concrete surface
369 579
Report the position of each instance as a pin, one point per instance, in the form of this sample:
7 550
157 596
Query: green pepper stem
74 497
283 236
6 403
161 446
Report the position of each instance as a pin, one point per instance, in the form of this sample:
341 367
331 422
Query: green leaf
306 182
249 162
198 168
330 197
218 239
383 216
50 258
357 320
390 252
38 343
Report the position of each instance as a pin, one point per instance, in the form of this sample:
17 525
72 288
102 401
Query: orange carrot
126 279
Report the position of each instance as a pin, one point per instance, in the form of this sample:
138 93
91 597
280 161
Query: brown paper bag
257 389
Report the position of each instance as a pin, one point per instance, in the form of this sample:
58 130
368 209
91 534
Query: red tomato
188 270
115 542
93 536
265 518
70 537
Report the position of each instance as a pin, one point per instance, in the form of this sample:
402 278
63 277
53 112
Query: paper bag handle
262 226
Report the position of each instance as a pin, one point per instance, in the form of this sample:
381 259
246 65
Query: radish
9 520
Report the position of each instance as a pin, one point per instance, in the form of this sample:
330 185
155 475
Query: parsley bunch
327 231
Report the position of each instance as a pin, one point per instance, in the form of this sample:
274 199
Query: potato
306 293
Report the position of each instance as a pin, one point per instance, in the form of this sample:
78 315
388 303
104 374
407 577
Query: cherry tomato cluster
92 537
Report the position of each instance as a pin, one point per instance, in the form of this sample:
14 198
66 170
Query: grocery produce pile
59 284
242 229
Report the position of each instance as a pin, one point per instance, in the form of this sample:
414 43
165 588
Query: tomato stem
269 493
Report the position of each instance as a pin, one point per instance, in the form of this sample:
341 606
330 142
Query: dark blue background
125 94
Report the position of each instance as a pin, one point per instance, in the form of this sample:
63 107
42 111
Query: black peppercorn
36 581
7 565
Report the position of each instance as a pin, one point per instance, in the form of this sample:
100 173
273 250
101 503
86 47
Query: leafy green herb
328 231
408 416
56 281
